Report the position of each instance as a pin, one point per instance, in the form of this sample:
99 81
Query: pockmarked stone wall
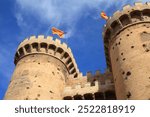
93 86
46 70
43 66
127 49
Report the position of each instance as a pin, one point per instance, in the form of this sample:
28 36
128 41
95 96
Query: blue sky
20 19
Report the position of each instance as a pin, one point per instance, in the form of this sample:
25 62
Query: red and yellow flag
103 15
58 32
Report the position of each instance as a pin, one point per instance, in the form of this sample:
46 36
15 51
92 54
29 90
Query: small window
115 26
125 20
78 97
146 14
21 52
110 95
99 96
135 16
88 96
66 55
27 48
43 45
52 47
35 46
68 98
60 50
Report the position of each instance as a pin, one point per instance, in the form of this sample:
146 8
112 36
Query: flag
103 15
58 32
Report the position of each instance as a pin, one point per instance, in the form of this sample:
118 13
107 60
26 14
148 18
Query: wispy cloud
60 13
56 11
20 20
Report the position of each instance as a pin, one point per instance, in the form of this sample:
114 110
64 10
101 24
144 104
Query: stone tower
42 68
127 48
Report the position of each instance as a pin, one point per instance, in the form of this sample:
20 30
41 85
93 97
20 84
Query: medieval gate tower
46 68
127 48
42 67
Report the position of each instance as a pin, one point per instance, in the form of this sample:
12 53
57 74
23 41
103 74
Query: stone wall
91 87
43 67
126 38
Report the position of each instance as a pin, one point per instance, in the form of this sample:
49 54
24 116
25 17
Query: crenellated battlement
46 69
48 46
87 89
81 88
90 80
103 78
129 16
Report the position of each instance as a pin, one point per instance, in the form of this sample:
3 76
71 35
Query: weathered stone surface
128 51
46 70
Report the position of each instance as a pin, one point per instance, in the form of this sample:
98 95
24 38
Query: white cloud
58 13
20 20
54 12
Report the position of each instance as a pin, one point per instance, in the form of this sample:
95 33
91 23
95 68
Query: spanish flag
103 15
58 32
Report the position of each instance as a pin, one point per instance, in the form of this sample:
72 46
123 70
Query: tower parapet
43 67
90 92
126 40
48 46
129 16
92 86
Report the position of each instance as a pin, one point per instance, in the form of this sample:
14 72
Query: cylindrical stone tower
43 66
127 48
